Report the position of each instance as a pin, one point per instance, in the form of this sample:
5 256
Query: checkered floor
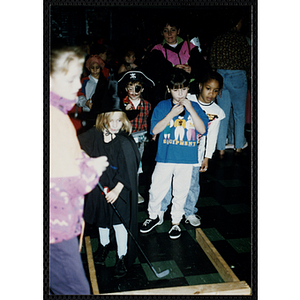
226 210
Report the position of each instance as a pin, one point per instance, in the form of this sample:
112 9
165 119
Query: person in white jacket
210 87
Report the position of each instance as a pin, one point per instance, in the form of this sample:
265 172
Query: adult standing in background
230 56
174 52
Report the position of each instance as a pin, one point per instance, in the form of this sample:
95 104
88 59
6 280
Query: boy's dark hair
178 79
135 82
212 75
128 51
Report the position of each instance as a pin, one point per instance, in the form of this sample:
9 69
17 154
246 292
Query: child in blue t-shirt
210 86
177 121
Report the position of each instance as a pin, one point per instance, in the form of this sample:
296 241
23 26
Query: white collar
93 78
136 102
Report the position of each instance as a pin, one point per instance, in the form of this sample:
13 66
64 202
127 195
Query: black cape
96 210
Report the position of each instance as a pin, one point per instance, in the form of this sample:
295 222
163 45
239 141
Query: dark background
139 26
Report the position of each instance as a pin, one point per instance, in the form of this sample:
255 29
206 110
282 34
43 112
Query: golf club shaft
130 233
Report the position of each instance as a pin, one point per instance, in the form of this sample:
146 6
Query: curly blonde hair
102 121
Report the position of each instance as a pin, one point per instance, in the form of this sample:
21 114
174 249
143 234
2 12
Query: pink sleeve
89 177
67 198
78 185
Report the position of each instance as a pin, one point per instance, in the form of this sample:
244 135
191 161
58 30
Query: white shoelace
175 227
147 221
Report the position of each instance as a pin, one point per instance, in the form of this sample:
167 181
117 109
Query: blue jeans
67 276
234 93
192 197
230 131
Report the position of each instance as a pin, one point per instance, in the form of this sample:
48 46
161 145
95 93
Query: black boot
101 254
120 268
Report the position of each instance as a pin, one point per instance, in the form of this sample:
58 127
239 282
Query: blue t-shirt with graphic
177 143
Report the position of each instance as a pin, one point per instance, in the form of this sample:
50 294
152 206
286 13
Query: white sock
122 238
104 236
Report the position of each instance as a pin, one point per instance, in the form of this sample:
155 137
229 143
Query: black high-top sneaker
101 254
120 268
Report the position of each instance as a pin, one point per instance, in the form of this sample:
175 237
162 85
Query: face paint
134 91
137 88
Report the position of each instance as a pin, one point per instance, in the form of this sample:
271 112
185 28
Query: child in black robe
111 136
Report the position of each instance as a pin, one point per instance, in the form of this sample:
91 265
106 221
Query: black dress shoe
101 254
120 268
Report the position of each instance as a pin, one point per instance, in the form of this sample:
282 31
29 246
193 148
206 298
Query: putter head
163 273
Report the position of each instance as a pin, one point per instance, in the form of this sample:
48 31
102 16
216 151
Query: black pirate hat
112 101
105 100
132 76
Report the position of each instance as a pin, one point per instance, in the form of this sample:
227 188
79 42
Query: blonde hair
61 58
102 121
